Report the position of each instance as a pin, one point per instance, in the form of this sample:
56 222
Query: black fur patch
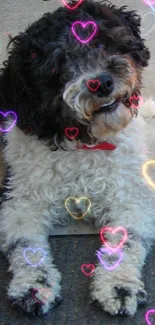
29 305
22 242
4 190
43 59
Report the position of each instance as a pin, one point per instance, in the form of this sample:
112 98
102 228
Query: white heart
147 23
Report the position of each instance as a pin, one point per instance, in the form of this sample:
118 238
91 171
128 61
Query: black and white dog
53 81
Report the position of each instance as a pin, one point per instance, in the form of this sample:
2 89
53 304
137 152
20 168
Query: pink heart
13 123
109 252
69 7
97 82
28 130
83 25
87 269
151 311
33 55
48 293
136 98
8 34
113 231
73 132
39 291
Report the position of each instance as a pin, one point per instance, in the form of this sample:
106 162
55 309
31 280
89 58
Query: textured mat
70 253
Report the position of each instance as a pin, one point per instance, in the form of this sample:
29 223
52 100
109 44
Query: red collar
100 146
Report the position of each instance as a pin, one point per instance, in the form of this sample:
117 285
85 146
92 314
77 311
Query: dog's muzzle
102 85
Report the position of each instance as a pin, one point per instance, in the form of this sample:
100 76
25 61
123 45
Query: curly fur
43 175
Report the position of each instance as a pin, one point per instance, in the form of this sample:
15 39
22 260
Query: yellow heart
144 171
77 200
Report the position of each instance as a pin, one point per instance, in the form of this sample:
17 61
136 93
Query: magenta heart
13 122
149 2
109 253
148 314
84 25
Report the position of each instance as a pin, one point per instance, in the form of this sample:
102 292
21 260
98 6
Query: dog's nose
102 85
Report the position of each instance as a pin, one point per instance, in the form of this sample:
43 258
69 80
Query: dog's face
113 61
114 57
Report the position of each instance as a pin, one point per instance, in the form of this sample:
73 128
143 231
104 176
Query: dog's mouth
112 105
108 107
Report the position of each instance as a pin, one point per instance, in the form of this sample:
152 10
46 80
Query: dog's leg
35 285
121 289
24 227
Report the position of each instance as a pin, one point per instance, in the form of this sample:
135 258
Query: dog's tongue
100 146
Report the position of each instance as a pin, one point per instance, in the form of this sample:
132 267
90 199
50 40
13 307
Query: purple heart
13 123
109 252
34 251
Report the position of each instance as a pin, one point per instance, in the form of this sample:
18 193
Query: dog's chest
80 180
82 172
50 177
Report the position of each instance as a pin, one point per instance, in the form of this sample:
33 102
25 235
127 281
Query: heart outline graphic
28 130
143 17
93 81
110 268
71 8
113 231
71 129
78 200
33 55
34 251
7 34
14 122
87 266
136 97
84 25
147 2
150 4
144 172
39 291
147 316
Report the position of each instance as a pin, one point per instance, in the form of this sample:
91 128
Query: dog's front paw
118 292
34 296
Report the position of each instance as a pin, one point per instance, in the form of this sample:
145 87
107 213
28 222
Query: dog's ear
34 58
30 77
136 45
130 19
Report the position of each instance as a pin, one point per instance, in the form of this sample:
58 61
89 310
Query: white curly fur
42 180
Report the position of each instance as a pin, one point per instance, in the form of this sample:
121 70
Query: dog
56 80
